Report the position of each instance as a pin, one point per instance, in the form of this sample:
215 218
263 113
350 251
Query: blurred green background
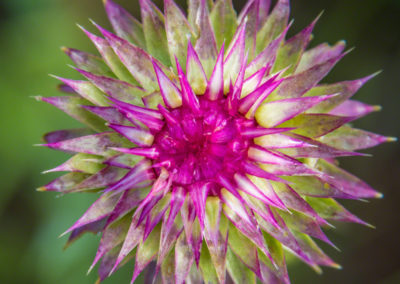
32 33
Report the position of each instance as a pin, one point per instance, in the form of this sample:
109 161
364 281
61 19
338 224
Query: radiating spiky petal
154 31
205 46
136 60
178 31
171 94
124 24
223 19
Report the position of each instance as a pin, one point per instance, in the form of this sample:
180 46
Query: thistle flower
210 141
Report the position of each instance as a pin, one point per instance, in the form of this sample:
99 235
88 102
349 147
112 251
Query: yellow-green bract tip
377 73
349 50
39 145
54 76
38 98
79 26
66 245
63 234
42 188
377 108
317 269
370 226
64 49
336 266
391 139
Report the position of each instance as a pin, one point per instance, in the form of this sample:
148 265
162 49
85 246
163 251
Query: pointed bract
136 60
86 61
224 22
125 25
171 94
195 72
215 88
178 31
154 31
205 46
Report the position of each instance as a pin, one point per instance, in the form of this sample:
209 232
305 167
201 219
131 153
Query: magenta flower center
200 146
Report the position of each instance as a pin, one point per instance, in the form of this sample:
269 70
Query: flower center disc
196 147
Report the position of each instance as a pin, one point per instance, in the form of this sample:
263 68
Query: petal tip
40 145
63 234
369 225
39 99
391 139
55 77
66 50
336 266
376 108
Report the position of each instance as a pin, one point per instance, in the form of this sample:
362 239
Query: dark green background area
31 34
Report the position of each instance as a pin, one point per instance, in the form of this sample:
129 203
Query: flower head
210 141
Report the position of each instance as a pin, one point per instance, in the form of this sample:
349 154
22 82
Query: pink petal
189 98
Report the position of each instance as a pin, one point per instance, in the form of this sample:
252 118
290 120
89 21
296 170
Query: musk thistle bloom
210 142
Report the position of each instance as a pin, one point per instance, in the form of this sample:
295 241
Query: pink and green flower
210 142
